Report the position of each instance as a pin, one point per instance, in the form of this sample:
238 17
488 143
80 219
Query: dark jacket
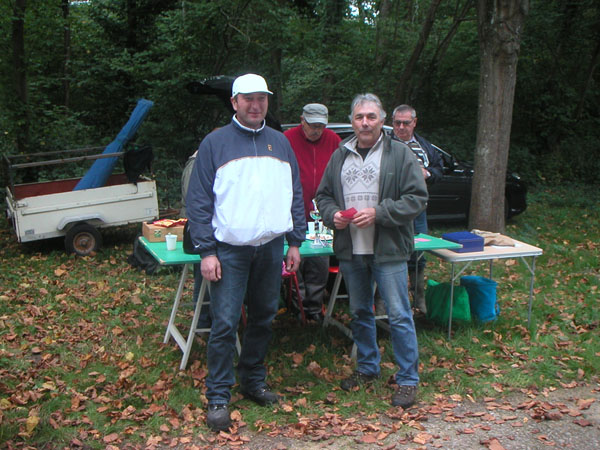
402 194
436 165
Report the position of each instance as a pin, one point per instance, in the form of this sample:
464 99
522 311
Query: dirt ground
564 418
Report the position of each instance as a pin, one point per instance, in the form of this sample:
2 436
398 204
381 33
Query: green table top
425 242
168 257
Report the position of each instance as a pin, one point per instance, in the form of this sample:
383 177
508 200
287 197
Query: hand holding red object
348 213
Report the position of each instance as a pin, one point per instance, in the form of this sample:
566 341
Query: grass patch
82 358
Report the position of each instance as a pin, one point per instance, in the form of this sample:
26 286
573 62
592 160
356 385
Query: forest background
84 65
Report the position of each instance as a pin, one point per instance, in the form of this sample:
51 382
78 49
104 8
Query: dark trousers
420 226
312 280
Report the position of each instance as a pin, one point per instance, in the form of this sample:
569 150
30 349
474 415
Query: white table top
520 249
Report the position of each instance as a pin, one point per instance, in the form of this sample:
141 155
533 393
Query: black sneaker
217 417
263 396
405 396
357 379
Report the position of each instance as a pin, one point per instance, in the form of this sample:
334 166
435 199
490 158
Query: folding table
490 252
175 257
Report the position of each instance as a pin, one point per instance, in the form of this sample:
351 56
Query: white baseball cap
248 84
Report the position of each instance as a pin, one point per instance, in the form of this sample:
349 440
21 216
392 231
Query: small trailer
49 209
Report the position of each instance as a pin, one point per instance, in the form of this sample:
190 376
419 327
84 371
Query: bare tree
401 93
384 34
593 64
20 72
461 14
500 27
67 54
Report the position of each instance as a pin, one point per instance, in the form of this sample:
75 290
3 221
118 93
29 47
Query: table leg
451 302
532 272
170 326
416 286
192 333
453 277
332 298
328 319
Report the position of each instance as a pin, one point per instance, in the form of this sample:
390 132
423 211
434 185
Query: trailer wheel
83 239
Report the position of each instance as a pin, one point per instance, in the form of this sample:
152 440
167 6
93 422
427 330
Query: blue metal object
97 175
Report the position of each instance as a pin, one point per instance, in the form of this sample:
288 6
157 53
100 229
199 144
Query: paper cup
311 228
171 241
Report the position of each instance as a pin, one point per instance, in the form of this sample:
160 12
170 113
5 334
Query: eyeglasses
406 123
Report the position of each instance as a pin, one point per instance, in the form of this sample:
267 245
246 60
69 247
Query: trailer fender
66 221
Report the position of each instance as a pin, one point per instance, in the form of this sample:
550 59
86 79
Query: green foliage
323 51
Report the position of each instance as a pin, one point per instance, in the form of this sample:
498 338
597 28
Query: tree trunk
401 93
20 73
500 26
383 35
595 59
276 81
334 14
67 53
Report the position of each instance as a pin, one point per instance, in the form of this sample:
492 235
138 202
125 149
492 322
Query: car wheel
82 239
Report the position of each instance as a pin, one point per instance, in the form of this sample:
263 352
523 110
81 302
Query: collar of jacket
236 123
351 142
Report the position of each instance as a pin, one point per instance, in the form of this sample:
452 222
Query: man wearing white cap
243 199
313 145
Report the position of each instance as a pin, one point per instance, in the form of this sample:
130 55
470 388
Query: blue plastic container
470 242
482 297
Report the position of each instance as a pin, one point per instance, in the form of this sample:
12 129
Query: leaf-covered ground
82 363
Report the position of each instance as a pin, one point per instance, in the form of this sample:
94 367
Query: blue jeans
420 226
254 272
359 275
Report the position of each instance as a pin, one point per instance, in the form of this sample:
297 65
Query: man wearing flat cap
313 145
244 197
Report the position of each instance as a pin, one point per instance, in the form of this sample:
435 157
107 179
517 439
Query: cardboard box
155 233
470 242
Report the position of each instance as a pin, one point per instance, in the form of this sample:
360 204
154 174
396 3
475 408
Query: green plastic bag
437 298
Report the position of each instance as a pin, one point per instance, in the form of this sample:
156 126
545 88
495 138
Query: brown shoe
357 379
405 396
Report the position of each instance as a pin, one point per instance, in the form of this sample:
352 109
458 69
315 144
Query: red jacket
312 159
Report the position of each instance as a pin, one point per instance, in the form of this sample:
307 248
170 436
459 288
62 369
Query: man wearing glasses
313 145
404 122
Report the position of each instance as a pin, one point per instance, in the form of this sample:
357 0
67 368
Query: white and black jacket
244 190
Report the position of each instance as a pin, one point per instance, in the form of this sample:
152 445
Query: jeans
420 226
359 275
254 272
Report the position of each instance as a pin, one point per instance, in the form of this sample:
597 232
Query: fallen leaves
107 333
493 444
32 421
585 403
422 438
